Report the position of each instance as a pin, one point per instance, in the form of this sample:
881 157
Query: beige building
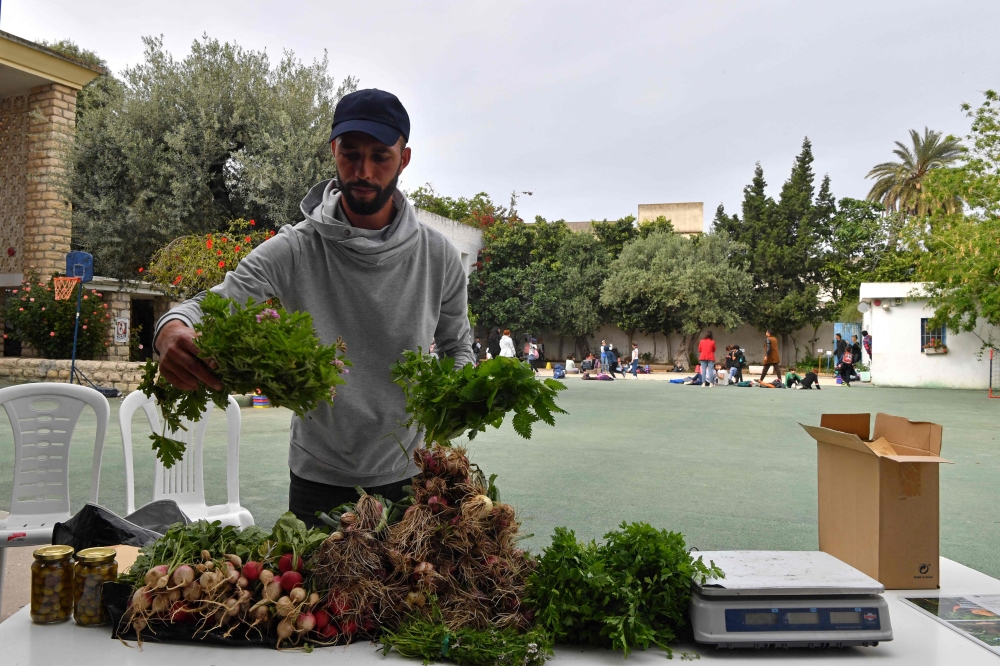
688 218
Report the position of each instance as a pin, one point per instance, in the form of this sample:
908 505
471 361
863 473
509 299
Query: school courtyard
729 467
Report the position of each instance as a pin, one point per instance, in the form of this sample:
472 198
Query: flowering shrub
254 347
191 264
46 324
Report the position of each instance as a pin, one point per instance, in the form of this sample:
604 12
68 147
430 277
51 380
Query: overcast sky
597 107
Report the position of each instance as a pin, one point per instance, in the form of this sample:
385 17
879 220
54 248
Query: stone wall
119 305
112 374
47 227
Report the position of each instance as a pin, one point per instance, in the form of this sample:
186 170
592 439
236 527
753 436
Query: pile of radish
453 555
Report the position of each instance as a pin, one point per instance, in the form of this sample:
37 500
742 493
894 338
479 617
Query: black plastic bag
95 525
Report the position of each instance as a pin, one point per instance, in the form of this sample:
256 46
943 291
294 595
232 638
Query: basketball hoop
64 287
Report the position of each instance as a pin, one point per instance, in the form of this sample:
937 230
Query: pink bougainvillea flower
245 240
177 280
252 223
198 272
208 243
14 291
27 288
222 264
85 297
43 309
236 249
85 327
52 334
140 269
224 239
20 309
32 300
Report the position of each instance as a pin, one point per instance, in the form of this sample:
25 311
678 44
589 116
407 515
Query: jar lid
53 553
98 555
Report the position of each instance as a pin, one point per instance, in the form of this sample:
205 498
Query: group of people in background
610 362
500 343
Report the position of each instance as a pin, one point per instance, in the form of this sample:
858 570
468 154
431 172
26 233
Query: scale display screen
802 619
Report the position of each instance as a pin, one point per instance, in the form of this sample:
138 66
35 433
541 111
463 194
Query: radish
290 580
232 575
155 574
207 580
235 560
180 613
160 604
284 607
349 627
242 582
368 625
288 562
272 592
192 592
139 624
265 576
330 631
339 604
322 619
313 599
183 575
141 600
306 622
260 613
285 630
297 595
174 595
251 570
437 503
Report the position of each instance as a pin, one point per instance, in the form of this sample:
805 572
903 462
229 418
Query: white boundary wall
468 240
898 360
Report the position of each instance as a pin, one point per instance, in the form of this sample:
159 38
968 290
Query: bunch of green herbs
182 544
446 403
431 640
253 346
631 591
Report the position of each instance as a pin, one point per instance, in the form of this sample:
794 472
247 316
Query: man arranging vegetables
367 271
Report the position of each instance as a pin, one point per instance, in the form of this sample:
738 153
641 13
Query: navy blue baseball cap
373 112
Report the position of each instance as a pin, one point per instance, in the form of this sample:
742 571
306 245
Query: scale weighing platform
786 599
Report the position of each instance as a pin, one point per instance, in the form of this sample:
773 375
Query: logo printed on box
924 568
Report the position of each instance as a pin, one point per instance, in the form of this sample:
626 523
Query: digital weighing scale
785 599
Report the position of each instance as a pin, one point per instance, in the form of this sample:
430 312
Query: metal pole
76 329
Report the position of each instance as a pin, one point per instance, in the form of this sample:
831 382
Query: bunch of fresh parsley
254 346
446 403
631 591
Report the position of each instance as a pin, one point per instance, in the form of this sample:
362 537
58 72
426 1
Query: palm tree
898 184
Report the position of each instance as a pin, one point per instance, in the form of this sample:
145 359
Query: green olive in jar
51 584
94 567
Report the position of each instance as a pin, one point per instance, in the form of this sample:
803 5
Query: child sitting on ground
721 378
811 379
694 381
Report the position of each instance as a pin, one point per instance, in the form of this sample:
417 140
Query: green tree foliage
861 250
582 265
962 263
476 211
660 224
36 318
899 185
679 285
180 147
614 235
782 243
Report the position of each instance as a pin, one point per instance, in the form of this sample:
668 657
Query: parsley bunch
446 404
630 591
254 347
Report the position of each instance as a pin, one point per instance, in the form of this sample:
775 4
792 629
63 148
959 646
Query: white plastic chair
43 417
185 481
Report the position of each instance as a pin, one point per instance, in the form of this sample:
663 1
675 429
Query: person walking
477 349
533 354
839 347
507 345
772 359
635 360
866 340
493 343
706 357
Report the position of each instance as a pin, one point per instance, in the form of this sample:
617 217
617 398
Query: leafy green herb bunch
254 346
630 591
446 404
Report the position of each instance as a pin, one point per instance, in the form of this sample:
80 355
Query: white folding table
918 640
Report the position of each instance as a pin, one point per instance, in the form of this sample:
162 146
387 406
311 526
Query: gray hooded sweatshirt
382 291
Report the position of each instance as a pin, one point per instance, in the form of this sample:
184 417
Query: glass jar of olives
52 584
94 567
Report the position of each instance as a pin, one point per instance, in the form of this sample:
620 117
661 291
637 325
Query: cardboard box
878 496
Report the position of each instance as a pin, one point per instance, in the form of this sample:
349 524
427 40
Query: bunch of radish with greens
252 347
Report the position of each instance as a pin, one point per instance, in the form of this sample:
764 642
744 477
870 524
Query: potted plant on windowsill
935 346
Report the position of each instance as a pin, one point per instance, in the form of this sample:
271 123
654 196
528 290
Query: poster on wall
121 330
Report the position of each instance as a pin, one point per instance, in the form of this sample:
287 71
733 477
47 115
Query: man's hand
179 360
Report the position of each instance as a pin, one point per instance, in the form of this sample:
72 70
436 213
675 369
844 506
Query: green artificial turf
728 467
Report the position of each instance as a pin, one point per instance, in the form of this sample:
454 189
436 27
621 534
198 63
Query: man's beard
373 206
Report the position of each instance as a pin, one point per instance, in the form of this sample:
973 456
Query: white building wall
897 359
468 240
